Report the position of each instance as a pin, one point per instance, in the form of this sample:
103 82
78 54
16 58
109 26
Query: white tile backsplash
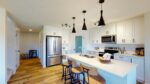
128 47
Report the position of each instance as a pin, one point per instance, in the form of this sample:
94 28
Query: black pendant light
84 24
101 22
73 30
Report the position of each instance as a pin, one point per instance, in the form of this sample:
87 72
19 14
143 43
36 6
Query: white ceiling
36 13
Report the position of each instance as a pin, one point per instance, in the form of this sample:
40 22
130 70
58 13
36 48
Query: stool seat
76 70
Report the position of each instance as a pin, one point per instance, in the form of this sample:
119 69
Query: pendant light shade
101 21
73 30
84 24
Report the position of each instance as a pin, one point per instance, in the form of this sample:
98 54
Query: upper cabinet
65 36
130 31
95 36
120 33
138 30
127 32
109 29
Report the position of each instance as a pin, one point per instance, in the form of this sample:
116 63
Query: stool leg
62 72
65 75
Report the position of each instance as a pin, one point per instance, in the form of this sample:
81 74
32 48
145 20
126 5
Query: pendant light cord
101 6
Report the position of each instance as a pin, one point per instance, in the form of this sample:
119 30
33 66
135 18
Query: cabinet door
91 34
111 29
140 67
128 33
138 31
123 58
95 36
120 33
65 36
119 58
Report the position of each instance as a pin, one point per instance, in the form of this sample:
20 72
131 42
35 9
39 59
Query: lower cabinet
123 58
139 61
140 68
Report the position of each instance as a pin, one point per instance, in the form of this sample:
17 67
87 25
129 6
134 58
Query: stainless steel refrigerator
53 50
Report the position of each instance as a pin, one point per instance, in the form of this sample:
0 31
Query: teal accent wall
78 44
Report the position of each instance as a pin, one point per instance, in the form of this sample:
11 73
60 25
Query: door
78 44
50 46
54 46
120 33
58 46
17 50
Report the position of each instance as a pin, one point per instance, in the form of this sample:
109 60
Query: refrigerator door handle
55 45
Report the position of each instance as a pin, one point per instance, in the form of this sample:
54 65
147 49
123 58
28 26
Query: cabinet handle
120 56
133 40
131 60
107 32
124 40
96 41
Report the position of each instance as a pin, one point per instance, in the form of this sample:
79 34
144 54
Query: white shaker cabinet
109 29
140 67
124 32
123 58
120 33
136 60
127 32
95 36
138 30
65 36
130 31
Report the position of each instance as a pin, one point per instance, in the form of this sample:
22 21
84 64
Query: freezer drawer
53 60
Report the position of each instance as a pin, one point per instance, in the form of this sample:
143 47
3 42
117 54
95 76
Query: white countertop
132 55
118 68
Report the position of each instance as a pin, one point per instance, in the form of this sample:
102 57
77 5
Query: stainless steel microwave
108 39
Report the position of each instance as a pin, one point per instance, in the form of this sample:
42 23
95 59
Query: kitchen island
115 72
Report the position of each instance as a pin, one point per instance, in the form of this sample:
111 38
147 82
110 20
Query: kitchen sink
88 56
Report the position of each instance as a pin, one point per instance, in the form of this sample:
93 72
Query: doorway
78 44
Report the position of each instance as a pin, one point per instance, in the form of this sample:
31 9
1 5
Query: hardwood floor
31 72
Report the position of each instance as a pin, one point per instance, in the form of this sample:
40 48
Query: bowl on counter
102 60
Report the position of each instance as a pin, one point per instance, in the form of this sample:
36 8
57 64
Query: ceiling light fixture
101 22
65 25
84 24
73 30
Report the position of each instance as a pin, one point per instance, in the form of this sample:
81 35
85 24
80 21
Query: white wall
147 48
12 47
29 41
3 64
11 44
85 39
41 39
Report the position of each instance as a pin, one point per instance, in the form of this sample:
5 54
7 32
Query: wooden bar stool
92 76
77 76
66 71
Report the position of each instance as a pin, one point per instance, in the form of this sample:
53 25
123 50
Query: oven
109 50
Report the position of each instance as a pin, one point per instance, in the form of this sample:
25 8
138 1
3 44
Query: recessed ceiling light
30 30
